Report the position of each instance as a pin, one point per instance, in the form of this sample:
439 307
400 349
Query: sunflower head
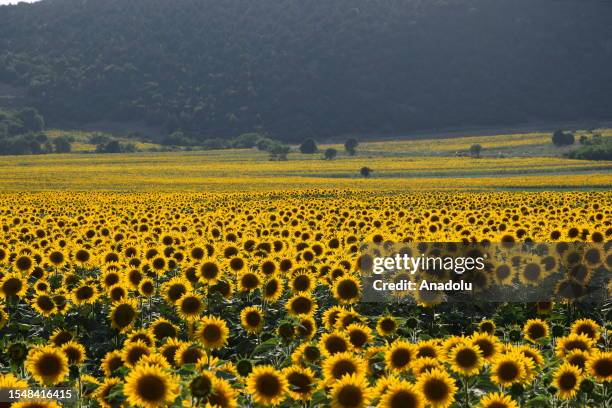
267 385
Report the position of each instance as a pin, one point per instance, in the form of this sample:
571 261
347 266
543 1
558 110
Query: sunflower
572 342
301 382
466 359
252 319
9 380
437 387
401 394
386 326
428 348
487 326
588 327
60 337
85 294
341 364
577 358
535 330
497 400
150 387
13 285
424 364
103 393
272 289
330 316
249 281
202 385
36 404
141 334
488 344
75 352
43 304
123 314
134 351
301 304
212 332
567 380
155 359
162 328
347 317
24 263
174 289
399 356
306 353
223 395
599 365
352 391
189 306
335 342
267 385
508 369
347 289
47 365
359 334
169 349
302 282
544 307
189 353
112 361
146 287
209 272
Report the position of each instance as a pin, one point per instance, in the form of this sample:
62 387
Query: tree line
292 69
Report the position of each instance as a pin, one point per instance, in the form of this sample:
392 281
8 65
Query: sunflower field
253 299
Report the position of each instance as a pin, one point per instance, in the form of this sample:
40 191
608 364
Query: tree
309 146
31 119
62 144
350 145
330 153
366 171
246 140
279 151
561 138
112 146
475 150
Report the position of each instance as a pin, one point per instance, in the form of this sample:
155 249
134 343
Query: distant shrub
561 138
98 139
62 144
350 145
214 144
246 140
330 153
309 146
602 151
366 171
178 139
115 146
279 151
475 150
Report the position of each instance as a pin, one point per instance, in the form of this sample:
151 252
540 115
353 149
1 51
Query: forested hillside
304 68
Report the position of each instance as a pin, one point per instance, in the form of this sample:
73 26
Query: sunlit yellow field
224 279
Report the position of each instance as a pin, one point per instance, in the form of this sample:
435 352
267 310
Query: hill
304 68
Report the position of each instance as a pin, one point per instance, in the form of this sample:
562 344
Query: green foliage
278 151
62 144
475 150
330 153
600 151
366 171
296 69
561 138
115 146
309 146
350 145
